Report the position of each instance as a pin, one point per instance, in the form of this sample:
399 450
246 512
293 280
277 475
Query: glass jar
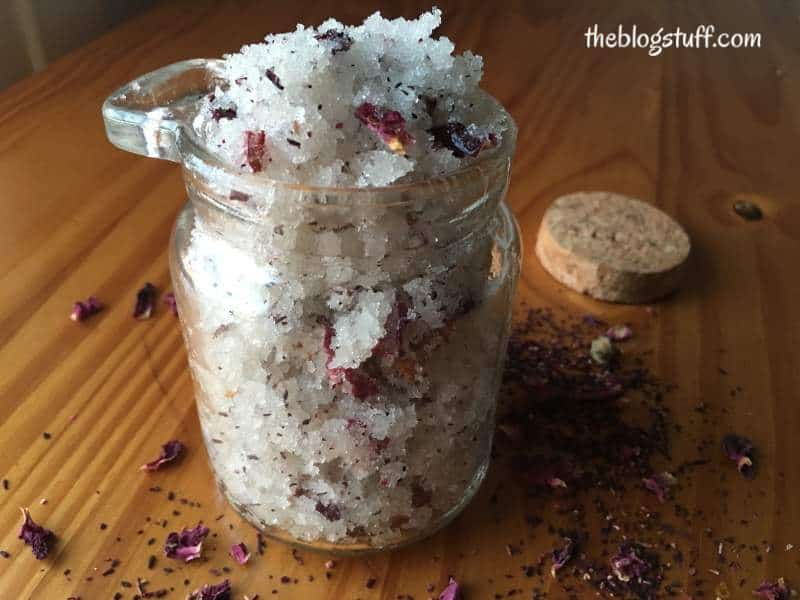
346 344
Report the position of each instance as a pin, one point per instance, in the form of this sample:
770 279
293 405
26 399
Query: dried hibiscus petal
169 452
145 302
35 536
389 125
452 591
169 300
187 544
331 511
220 591
83 310
255 143
457 138
627 565
223 113
659 484
741 451
239 553
276 81
561 556
341 42
772 591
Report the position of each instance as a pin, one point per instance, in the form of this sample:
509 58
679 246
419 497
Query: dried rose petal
220 591
456 137
452 591
561 556
145 302
659 484
274 79
239 196
619 333
627 565
35 536
389 125
772 591
360 384
741 451
341 41
169 300
83 310
239 553
169 452
331 511
187 544
223 113
255 142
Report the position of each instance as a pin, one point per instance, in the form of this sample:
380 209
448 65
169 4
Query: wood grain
690 130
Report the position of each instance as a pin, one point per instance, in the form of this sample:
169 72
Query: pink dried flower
457 137
452 591
331 511
169 300
239 553
619 333
740 450
389 125
659 484
772 591
83 310
35 536
360 384
627 565
223 113
255 142
187 544
220 591
145 302
274 79
169 452
341 42
561 556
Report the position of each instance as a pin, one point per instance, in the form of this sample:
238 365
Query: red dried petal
340 41
169 452
169 300
255 143
220 591
389 125
456 137
223 113
186 545
561 556
239 553
627 565
331 511
274 79
452 591
35 536
773 591
83 310
145 302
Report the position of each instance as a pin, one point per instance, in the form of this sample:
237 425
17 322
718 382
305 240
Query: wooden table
691 130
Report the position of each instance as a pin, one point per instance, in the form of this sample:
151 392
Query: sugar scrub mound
339 105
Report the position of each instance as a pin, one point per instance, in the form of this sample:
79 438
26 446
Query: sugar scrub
346 342
336 105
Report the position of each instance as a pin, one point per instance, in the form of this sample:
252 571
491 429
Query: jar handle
145 116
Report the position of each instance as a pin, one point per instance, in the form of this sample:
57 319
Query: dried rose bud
35 536
627 565
169 300
452 591
83 310
169 452
603 351
561 556
741 451
659 484
239 553
619 333
341 42
773 591
274 79
223 113
389 125
255 142
220 591
457 138
145 302
331 511
187 544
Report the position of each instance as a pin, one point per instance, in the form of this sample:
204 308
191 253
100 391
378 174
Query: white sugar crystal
303 90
